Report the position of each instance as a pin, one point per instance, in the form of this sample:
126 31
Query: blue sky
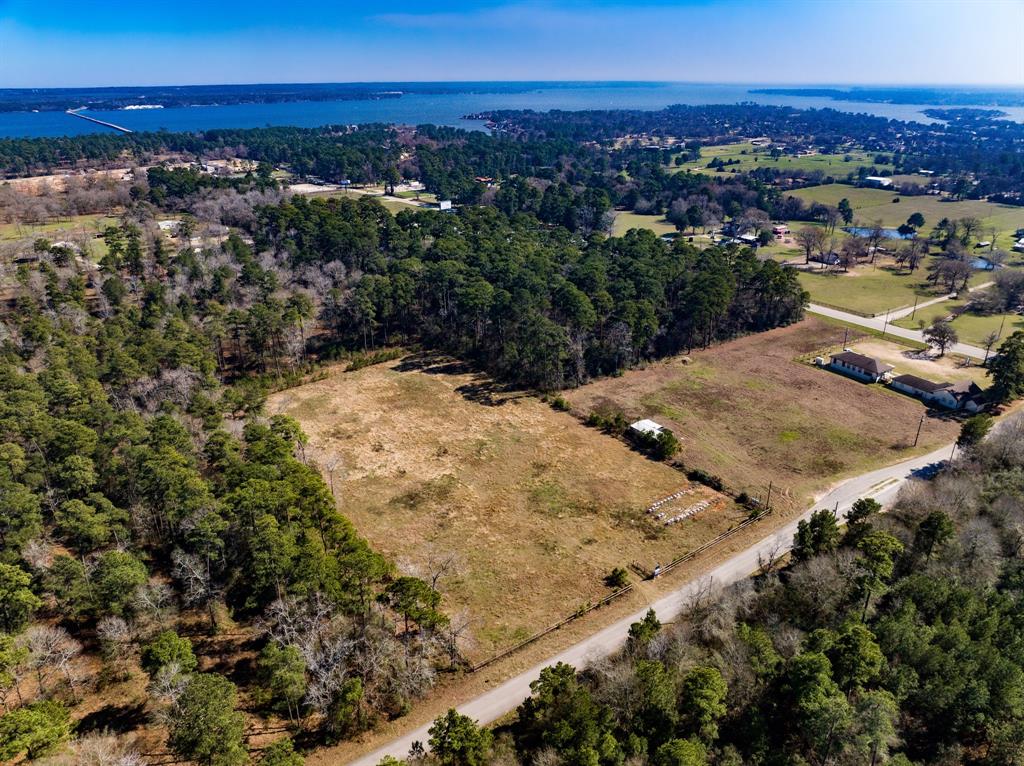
47 43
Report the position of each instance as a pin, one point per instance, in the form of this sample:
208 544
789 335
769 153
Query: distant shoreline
934 96
177 96
171 96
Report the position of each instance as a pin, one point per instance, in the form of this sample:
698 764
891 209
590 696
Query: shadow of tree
481 390
118 719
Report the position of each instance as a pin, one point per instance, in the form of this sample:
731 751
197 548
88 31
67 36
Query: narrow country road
882 485
882 324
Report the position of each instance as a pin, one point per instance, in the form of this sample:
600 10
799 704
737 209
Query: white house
878 182
965 395
859 366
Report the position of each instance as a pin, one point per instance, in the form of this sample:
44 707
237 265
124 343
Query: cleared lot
752 413
428 457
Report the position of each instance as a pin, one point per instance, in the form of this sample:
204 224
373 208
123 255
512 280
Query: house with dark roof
859 366
965 395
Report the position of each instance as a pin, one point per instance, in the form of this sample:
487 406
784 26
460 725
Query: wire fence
638 569
537 636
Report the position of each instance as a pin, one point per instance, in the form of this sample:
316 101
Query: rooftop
646 426
860 361
921 384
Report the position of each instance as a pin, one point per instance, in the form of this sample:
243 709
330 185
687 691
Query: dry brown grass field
750 412
430 457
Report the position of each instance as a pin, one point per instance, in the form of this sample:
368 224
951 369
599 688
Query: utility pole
886 325
768 502
952 452
846 338
919 425
916 299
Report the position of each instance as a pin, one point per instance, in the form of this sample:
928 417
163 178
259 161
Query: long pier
77 113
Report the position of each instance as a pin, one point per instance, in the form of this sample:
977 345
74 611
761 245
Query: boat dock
78 113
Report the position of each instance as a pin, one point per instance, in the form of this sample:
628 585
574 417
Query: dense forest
146 506
897 638
534 305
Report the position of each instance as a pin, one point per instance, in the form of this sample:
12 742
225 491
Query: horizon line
778 84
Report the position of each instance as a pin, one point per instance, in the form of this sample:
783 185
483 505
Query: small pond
983 264
864 231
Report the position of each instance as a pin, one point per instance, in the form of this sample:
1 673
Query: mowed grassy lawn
751 158
870 205
872 289
750 412
970 328
79 228
77 224
420 196
432 459
627 219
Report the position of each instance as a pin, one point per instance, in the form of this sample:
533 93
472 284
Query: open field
84 230
971 328
433 458
751 158
876 288
627 219
91 225
870 205
868 289
420 196
748 411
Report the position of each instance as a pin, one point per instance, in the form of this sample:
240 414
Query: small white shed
647 428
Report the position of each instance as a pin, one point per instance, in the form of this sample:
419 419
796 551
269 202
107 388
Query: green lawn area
421 196
76 224
626 220
869 289
872 205
78 227
971 328
912 178
751 158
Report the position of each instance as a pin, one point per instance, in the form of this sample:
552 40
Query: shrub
166 648
617 578
370 358
559 403
666 445
705 478
609 422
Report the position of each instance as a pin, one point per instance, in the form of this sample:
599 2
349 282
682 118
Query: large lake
443 109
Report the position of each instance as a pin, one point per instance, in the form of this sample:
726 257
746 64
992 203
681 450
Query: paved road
881 484
880 324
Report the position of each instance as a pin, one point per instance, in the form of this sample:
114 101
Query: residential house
825 259
859 366
878 182
965 395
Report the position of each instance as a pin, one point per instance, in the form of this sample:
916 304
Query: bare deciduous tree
51 648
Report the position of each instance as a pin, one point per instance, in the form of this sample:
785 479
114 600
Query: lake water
863 231
439 109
